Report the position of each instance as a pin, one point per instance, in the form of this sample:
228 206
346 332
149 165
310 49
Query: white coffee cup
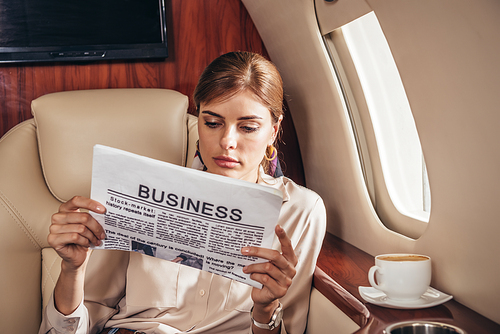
401 277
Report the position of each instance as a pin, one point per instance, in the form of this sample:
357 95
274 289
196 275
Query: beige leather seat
47 160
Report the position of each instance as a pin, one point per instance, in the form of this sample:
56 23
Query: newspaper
181 214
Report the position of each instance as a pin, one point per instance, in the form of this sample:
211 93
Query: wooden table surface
342 268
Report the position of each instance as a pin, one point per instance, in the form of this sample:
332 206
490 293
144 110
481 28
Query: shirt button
202 292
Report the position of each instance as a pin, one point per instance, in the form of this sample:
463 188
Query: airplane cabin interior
391 116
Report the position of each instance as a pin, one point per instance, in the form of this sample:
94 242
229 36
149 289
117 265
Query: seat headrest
150 122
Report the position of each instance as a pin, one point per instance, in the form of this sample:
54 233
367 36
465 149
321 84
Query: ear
276 128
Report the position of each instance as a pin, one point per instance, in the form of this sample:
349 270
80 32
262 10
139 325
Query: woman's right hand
73 231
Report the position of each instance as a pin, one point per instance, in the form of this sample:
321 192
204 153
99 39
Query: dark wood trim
198 32
341 297
342 268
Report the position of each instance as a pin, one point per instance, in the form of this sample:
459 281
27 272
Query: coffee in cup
401 277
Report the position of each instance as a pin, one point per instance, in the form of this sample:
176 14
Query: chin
234 174
224 172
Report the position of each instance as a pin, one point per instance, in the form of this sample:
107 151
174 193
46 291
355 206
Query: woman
239 101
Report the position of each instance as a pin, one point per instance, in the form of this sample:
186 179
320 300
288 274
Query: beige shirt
140 292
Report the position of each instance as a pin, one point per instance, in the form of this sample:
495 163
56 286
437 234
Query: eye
249 129
212 125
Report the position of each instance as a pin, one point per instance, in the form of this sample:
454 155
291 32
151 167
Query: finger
282 260
70 231
80 202
82 218
273 256
286 245
272 271
274 289
60 241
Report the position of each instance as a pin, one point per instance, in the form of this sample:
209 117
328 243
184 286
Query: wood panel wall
198 32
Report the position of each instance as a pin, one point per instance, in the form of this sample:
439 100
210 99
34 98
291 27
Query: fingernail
98 243
100 208
245 250
245 269
279 231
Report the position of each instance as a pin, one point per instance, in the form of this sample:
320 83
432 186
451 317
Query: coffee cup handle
371 277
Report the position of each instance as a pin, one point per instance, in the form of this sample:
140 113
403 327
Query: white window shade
393 124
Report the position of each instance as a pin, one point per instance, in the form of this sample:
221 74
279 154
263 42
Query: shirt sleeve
307 238
54 322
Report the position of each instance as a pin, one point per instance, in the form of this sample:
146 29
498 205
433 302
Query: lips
225 162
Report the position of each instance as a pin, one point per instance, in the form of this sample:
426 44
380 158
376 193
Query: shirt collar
276 183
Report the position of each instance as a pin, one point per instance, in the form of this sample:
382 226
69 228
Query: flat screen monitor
81 30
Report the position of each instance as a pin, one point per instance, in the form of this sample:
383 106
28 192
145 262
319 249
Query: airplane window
383 124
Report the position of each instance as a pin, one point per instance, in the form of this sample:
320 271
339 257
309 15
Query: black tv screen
68 30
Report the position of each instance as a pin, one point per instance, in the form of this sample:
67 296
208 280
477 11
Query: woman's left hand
275 275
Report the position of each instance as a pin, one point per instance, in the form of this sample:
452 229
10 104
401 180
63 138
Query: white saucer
430 298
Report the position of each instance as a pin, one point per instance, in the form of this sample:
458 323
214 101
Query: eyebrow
211 113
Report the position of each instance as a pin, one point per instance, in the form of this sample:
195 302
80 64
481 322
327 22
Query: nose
229 139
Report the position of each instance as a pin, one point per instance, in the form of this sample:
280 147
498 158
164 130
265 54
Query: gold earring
272 152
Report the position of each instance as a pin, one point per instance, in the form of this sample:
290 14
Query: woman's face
234 135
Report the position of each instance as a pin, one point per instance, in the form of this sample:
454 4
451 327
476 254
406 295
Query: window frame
362 127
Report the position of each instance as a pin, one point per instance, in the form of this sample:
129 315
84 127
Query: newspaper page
181 214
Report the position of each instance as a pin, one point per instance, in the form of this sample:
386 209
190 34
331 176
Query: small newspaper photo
180 214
